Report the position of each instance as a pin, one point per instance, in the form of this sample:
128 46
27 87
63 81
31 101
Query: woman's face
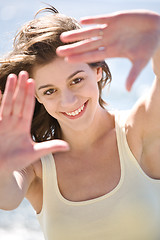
69 92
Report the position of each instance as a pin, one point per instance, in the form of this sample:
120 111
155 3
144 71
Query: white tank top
131 211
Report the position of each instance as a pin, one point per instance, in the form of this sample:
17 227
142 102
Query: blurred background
22 223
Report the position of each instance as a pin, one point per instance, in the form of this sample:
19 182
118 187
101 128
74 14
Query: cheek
50 107
91 87
91 91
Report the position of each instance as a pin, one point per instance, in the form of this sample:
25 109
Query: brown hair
36 44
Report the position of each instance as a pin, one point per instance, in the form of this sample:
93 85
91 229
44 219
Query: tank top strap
126 157
48 167
49 178
120 120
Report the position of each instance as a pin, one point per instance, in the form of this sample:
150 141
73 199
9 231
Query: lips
76 113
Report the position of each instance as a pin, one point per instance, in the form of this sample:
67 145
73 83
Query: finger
79 47
136 69
81 34
51 146
20 92
7 100
99 19
88 57
29 102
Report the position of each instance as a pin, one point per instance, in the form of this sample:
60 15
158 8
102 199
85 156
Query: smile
76 113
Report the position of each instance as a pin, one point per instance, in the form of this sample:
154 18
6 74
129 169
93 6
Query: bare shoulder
134 131
143 138
35 190
132 119
37 166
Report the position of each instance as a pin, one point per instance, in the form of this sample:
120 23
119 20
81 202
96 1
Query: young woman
100 178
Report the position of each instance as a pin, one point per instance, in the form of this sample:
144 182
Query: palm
17 150
132 35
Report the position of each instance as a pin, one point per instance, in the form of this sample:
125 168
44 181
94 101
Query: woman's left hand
130 34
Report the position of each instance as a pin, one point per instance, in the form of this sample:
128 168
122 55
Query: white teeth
75 112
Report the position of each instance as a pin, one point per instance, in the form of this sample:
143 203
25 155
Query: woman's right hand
128 34
17 149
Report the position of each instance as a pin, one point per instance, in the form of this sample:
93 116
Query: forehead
58 69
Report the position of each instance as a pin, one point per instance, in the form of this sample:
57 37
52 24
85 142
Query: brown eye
49 91
76 81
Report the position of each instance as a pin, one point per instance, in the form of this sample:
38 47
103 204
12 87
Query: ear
99 73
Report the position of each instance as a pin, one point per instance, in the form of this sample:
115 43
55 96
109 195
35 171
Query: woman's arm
134 35
14 186
17 150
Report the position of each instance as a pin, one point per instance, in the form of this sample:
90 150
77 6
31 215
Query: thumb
53 146
136 69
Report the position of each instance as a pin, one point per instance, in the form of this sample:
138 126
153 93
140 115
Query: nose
68 99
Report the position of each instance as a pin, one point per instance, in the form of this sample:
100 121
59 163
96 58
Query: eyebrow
45 86
71 76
